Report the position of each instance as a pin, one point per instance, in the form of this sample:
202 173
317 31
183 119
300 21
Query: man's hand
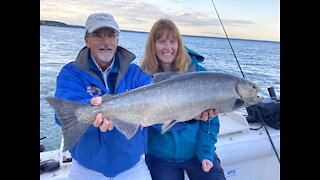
103 123
205 115
206 165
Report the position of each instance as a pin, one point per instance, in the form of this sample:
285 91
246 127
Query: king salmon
170 98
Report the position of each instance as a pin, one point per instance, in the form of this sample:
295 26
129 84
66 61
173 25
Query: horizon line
127 30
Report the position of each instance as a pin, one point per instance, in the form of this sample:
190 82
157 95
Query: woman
187 146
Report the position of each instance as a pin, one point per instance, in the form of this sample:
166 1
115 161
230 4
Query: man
104 67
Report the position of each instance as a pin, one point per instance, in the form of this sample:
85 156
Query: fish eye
256 86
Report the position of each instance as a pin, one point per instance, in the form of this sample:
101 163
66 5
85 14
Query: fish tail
72 129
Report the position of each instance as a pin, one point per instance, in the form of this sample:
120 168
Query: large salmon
170 98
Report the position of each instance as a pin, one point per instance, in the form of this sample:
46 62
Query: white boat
245 154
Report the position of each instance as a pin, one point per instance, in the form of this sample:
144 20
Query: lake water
259 61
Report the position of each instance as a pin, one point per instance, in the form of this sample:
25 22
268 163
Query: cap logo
103 17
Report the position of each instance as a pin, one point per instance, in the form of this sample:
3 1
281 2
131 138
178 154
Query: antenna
234 54
271 90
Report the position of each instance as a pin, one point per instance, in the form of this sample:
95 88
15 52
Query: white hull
245 154
248 154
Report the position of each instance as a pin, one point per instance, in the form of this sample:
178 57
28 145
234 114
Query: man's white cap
99 20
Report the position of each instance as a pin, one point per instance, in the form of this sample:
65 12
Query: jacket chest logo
94 91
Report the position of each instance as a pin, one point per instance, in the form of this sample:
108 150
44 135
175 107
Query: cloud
133 13
140 15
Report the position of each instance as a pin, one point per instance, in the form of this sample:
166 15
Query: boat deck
244 153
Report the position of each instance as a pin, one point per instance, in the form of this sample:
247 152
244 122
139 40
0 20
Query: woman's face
166 48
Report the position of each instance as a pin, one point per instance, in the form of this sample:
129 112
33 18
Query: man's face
103 44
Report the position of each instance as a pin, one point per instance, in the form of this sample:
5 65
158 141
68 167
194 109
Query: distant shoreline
61 24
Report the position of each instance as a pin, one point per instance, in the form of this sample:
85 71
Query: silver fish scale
181 98
178 97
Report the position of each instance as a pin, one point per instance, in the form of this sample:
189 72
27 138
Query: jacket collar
85 63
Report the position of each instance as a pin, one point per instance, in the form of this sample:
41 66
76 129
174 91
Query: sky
241 19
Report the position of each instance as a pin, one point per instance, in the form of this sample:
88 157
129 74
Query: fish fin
127 129
107 96
163 76
238 104
72 129
72 134
166 126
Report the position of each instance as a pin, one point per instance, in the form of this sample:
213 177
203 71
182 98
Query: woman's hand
205 115
206 165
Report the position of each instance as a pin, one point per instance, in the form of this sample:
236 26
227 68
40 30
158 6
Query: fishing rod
234 54
257 109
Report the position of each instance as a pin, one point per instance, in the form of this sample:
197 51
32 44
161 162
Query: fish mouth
257 87
259 97
255 100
